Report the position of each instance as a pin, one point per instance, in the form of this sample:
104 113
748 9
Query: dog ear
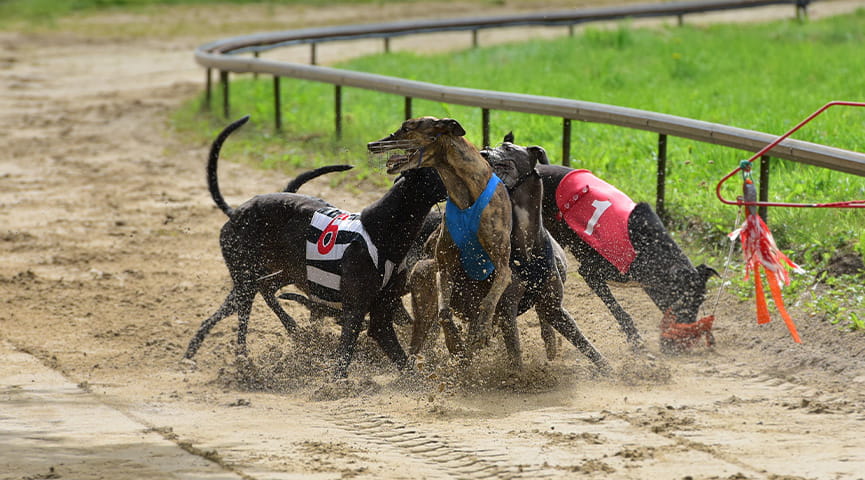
539 155
452 127
509 137
707 272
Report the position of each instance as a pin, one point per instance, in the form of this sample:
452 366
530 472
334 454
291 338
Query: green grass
763 77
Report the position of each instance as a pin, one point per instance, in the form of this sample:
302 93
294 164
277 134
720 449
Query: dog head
514 163
419 139
688 292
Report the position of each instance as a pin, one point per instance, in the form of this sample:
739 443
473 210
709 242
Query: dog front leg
352 323
602 290
424 302
381 330
479 331
453 340
507 319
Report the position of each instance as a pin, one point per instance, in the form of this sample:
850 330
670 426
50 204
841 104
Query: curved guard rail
223 55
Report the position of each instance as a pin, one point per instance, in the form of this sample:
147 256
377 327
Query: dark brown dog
264 243
674 284
537 260
474 294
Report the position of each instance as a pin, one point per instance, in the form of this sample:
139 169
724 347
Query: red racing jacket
598 212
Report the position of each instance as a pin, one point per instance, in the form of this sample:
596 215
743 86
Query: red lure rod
746 165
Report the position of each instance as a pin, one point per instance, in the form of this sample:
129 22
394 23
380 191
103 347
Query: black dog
265 242
537 260
674 284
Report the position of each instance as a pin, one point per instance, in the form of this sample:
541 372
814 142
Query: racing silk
598 212
331 232
463 228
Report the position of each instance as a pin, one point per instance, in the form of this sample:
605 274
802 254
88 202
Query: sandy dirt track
109 260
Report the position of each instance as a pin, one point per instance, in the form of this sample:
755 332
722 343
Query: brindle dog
440 143
674 284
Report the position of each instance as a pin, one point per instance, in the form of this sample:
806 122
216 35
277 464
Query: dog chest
598 212
463 225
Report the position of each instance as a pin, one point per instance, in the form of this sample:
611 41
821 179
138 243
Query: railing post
277 107
485 126
386 44
764 187
566 142
313 55
475 38
208 91
223 79
680 19
660 193
407 108
255 55
802 9
337 101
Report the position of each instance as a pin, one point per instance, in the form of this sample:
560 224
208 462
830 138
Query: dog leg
271 301
548 335
352 323
602 290
551 312
227 308
424 302
479 331
245 297
562 321
507 319
453 340
381 330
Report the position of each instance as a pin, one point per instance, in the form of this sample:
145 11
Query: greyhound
481 271
266 239
674 284
538 261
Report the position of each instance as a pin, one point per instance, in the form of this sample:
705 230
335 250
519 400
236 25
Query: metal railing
223 55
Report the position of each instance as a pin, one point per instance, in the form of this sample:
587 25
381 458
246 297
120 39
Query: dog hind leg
244 300
227 308
602 290
271 301
562 321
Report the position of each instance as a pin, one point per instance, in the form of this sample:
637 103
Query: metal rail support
485 126
566 142
762 210
255 55
407 108
208 91
337 102
277 107
802 10
313 54
660 193
475 38
223 79
386 44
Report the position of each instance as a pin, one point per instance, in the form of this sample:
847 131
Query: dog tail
307 176
212 181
